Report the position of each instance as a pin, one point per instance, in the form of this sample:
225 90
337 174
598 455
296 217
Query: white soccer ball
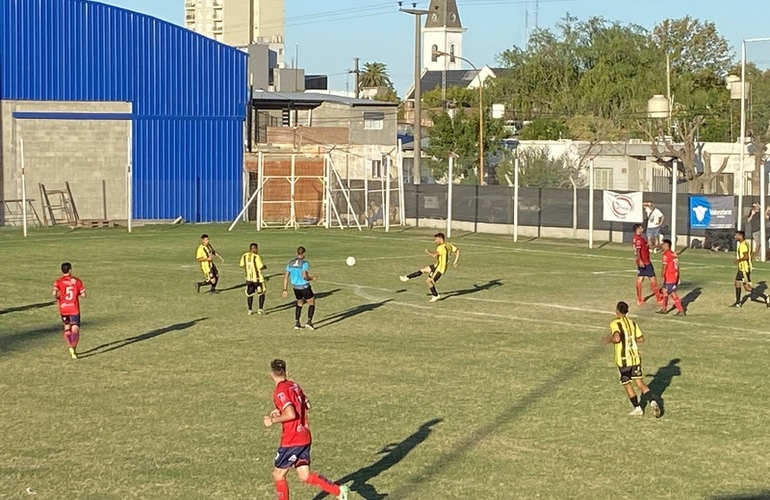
351 261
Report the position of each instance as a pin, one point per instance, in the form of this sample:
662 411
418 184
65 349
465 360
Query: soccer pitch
503 390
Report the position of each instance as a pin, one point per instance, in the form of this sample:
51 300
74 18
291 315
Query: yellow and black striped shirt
742 249
442 260
252 264
627 350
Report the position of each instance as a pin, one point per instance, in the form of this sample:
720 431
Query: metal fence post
674 171
449 196
591 204
516 200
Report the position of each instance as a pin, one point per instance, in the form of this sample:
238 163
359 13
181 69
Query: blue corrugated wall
188 94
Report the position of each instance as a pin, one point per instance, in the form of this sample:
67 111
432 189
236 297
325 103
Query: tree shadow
353 311
691 297
476 288
17 340
117 344
27 307
662 380
759 495
290 305
393 454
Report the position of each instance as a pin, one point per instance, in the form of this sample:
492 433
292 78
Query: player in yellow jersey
626 335
205 256
437 270
252 264
743 277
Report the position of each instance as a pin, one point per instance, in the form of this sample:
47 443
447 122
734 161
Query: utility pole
417 13
356 71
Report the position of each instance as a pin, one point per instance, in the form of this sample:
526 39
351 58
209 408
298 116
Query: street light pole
481 112
417 13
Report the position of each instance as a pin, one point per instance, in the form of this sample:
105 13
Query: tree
458 134
544 129
375 74
537 168
694 48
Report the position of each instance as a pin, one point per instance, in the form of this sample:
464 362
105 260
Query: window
374 121
452 53
376 169
603 178
434 53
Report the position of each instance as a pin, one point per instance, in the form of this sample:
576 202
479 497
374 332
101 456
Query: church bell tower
443 32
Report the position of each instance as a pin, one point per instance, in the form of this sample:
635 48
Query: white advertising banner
623 207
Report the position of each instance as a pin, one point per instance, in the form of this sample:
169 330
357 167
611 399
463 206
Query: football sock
433 291
310 313
639 297
737 295
634 401
656 291
297 313
282 489
414 274
678 303
321 482
250 301
213 286
664 304
262 301
72 339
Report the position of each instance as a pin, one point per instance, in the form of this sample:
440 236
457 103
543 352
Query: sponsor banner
623 207
711 212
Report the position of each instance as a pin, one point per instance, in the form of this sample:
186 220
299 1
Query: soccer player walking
670 274
291 406
297 272
437 270
252 264
626 335
205 255
743 276
644 268
68 290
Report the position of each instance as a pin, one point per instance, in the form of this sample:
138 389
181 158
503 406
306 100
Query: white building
237 22
443 32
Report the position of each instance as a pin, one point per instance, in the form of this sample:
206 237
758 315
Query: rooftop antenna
531 23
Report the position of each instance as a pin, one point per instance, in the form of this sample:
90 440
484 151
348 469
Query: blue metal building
188 95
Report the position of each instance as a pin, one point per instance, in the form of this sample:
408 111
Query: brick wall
90 155
301 137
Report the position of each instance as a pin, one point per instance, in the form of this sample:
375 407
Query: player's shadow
662 380
27 307
117 344
691 297
759 495
234 287
350 313
392 455
756 293
290 305
476 288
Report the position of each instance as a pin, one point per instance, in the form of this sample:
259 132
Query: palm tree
375 74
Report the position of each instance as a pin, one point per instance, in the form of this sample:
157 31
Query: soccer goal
292 190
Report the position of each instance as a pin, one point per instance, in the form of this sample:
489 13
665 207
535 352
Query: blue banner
711 212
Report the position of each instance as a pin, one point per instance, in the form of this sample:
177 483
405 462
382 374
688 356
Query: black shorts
744 277
628 373
71 320
647 271
254 287
434 275
303 293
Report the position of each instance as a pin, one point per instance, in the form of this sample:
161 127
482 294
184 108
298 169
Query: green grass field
502 390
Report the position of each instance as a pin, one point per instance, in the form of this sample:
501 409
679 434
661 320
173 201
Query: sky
329 34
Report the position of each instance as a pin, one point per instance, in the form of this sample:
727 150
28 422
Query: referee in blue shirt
297 271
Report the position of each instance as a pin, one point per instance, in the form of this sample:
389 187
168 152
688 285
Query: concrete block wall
91 155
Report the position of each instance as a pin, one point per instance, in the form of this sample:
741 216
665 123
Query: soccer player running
644 268
252 264
291 406
68 290
437 270
297 271
626 335
743 277
670 274
205 255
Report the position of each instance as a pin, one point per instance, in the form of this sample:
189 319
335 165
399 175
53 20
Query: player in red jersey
670 274
291 408
644 267
68 290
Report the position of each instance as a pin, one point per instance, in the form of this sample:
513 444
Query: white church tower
443 32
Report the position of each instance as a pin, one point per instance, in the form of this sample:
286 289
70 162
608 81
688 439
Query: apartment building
237 22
